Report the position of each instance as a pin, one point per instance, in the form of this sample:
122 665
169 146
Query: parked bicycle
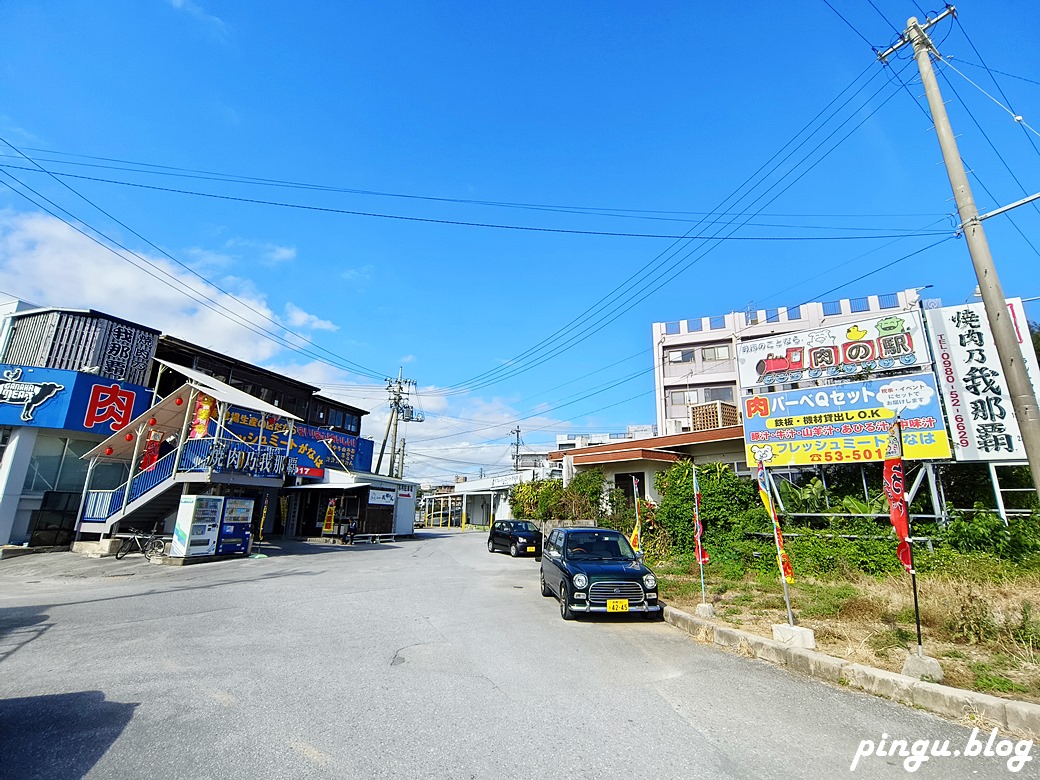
152 545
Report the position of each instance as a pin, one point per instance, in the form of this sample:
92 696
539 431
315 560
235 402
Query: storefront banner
845 423
974 389
68 400
851 350
382 497
310 448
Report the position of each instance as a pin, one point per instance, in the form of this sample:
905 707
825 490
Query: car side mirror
640 554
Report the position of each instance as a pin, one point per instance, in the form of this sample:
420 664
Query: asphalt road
423 658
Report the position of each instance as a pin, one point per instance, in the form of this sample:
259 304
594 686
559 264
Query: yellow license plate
531 548
617 605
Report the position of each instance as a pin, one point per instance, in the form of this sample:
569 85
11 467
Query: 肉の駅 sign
978 404
845 423
850 350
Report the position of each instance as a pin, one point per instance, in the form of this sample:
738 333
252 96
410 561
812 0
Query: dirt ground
985 635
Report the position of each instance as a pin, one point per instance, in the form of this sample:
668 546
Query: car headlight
580 581
521 540
649 581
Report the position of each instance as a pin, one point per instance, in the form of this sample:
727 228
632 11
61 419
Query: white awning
225 392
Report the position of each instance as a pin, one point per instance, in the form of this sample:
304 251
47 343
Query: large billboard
852 350
975 391
68 400
845 423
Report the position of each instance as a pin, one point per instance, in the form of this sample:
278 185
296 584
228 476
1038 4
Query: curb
1017 717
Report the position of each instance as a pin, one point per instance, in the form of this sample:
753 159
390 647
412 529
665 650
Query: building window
671 328
772 315
683 397
859 304
831 308
692 326
717 322
888 301
715 353
681 355
794 312
718 394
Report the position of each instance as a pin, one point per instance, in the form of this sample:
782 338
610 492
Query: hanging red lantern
109 450
152 422
129 437
178 401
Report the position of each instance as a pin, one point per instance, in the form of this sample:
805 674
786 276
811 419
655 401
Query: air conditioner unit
675 356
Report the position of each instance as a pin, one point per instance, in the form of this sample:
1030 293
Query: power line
435 221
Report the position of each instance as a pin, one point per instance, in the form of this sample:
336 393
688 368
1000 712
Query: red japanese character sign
112 404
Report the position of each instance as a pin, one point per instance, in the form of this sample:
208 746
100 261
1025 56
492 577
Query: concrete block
766 649
923 667
819 665
729 637
794 636
705 611
698 629
958 704
879 682
1022 718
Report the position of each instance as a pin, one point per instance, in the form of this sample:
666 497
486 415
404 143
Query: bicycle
152 545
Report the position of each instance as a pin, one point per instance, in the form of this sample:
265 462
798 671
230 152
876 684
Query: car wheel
545 588
565 608
491 546
513 550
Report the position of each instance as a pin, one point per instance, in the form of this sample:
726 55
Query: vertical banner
974 389
767 500
330 518
637 532
204 406
698 529
895 490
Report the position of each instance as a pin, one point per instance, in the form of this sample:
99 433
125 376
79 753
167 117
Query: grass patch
822 600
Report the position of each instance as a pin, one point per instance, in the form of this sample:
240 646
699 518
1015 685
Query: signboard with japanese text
68 400
311 449
852 350
978 405
382 497
845 423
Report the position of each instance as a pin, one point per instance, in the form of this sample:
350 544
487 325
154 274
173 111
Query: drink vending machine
236 526
198 523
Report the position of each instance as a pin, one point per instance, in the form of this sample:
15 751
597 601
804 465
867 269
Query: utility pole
398 390
516 457
400 462
1023 399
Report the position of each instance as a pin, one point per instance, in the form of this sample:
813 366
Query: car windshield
527 528
599 546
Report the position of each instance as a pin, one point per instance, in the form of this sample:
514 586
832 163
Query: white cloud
407 359
215 25
269 254
45 261
360 274
298 318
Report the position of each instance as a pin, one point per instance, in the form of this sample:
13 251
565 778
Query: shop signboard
310 449
853 349
68 400
974 389
382 497
845 423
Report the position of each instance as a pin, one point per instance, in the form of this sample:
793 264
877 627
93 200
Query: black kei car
520 537
596 570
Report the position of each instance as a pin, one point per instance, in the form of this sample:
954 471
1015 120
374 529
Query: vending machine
198 524
235 526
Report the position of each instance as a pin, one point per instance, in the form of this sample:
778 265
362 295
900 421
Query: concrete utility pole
1005 341
398 389
516 457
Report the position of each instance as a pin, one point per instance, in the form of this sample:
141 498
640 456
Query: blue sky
548 129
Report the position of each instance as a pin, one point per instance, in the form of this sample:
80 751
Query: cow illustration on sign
31 395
